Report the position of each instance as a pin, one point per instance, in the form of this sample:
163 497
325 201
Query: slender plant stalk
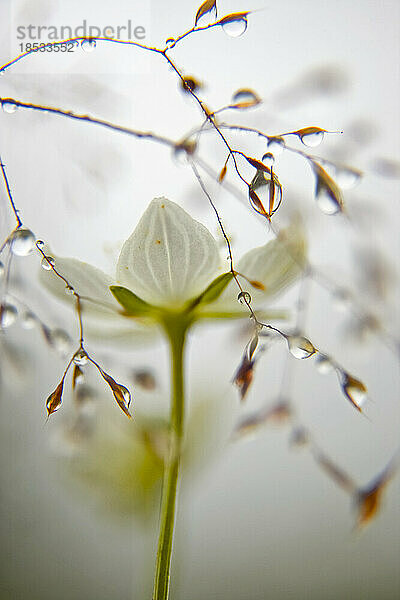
176 335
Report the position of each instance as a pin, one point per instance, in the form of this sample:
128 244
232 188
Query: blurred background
257 518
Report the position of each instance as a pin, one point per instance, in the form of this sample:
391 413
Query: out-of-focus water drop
323 364
61 341
8 315
28 320
347 178
327 203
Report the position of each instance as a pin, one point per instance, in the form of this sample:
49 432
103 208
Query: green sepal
212 292
133 305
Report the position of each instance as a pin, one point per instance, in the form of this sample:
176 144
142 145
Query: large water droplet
235 28
9 107
88 45
22 242
300 347
80 359
312 140
346 177
276 145
47 263
327 202
244 298
268 159
61 341
28 320
8 315
324 364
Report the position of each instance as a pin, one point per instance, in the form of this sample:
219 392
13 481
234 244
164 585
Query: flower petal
87 281
169 258
275 266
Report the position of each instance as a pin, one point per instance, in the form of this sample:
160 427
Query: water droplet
268 159
346 177
276 145
244 98
180 155
22 242
312 140
60 340
39 243
261 184
28 320
69 290
8 315
324 364
327 202
169 42
47 263
9 107
300 347
1 269
80 358
235 28
88 45
244 298
354 389
208 18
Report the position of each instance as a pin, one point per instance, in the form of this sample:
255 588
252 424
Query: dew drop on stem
80 359
47 263
61 341
22 242
88 45
300 347
323 364
276 145
9 107
244 298
268 159
347 178
327 203
28 320
312 140
235 28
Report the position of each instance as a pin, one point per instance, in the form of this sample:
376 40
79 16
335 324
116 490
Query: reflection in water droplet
8 315
28 320
347 178
47 263
300 347
235 28
323 364
88 45
244 298
312 140
22 242
80 358
9 107
268 159
327 203
276 145
61 341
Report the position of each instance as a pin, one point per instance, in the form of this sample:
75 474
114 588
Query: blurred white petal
169 258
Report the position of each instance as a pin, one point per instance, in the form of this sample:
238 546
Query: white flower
165 265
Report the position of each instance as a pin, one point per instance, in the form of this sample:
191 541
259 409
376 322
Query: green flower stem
176 329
